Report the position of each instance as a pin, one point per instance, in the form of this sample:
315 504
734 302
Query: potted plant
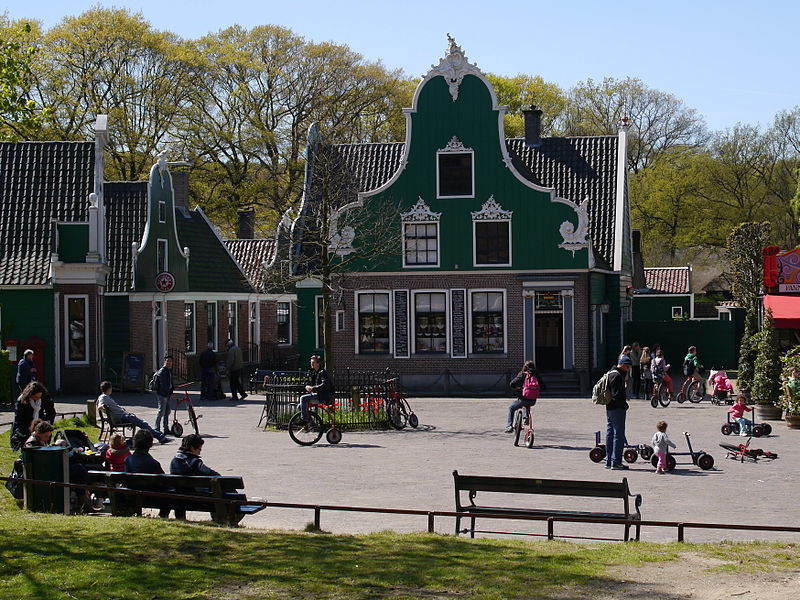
790 402
766 389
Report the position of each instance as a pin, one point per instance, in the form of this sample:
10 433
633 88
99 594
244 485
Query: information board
401 324
133 372
458 312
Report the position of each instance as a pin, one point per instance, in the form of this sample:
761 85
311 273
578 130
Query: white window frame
159 242
447 316
679 310
162 210
357 323
470 351
475 262
289 322
215 334
253 320
86 328
194 325
438 180
340 321
235 321
438 245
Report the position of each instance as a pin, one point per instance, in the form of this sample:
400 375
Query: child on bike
737 412
661 444
660 369
527 383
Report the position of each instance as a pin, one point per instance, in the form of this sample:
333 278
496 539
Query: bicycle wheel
646 452
395 413
529 436
630 455
193 419
597 453
654 402
681 397
413 420
664 397
334 436
517 426
695 393
177 429
305 434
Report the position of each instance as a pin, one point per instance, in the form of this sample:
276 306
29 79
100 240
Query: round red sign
165 282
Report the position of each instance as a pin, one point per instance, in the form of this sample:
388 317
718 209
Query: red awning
785 310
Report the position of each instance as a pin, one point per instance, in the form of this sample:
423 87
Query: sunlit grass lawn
98 558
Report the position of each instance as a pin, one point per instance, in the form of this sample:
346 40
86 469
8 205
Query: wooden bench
473 484
210 493
108 425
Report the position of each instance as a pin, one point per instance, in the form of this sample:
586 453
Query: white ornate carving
492 211
453 67
576 238
455 145
341 242
420 212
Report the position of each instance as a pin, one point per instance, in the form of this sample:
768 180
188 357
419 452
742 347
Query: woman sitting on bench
187 461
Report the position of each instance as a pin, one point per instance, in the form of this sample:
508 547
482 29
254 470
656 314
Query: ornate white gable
453 67
576 238
455 145
492 211
420 212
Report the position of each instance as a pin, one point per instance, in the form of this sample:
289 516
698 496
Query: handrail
681 526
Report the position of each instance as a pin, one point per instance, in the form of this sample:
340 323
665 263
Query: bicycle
691 390
177 428
519 417
308 433
661 394
398 409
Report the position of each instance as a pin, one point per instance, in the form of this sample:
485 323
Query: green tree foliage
20 116
658 120
521 91
766 380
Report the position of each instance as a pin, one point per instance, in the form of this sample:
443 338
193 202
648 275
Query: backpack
688 367
530 387
601 394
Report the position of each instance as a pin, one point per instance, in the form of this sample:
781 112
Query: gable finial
453 66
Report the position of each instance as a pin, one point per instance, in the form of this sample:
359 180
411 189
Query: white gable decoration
420 212
453 67
492 211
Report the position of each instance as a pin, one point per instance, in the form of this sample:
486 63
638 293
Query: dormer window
455 171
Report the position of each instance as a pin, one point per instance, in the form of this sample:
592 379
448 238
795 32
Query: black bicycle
398 409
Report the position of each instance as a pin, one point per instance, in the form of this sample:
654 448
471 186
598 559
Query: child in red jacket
116 454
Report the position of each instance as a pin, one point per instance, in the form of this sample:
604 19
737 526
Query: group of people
234 363
649 366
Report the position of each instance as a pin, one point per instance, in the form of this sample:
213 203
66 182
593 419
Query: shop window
488 333
188 327
77 316
284 323
430 323
421 243
373 323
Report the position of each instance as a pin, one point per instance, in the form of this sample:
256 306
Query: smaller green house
667 295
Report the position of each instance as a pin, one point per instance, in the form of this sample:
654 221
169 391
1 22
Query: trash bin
50 463
91 410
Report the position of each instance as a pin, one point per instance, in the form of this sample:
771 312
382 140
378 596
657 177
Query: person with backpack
692 367
528 383
163 386
319 388
616 413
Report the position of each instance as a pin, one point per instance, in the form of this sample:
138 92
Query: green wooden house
499 250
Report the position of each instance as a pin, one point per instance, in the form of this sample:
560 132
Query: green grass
48 557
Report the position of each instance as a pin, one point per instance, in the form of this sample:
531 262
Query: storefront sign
165 282
782 270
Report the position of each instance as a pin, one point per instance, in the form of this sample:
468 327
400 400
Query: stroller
722 388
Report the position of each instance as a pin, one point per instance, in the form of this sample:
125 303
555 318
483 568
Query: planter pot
768 412
793 421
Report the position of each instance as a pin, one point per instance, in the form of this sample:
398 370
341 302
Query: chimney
533 126
180 185
638 261
247 223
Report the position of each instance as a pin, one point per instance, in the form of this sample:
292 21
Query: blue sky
731 60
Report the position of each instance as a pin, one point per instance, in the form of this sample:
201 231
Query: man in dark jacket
164 389
208 369
616 412
141 461
319 387
26 370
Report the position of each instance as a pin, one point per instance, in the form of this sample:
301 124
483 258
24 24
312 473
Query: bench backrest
155 483
555 487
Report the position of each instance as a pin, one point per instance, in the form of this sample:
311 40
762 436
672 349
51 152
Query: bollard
91 410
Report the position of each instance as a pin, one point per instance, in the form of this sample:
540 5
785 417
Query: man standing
616 411
636 371
234 363
26 370
163 389
318 388
208 368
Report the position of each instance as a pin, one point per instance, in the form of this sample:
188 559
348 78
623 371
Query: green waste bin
49 463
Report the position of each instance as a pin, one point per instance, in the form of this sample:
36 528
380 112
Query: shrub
766 379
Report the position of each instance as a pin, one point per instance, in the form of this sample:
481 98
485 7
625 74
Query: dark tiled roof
211 267
667 280
126 215
252 255
579 168
39 182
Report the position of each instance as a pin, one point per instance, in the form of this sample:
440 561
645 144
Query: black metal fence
360 398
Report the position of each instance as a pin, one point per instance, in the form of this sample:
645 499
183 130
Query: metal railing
360 395
430 515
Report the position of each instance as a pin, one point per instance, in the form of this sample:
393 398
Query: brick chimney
180 185
247 223
533 126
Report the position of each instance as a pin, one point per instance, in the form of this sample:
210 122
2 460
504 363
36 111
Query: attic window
162 212
455 175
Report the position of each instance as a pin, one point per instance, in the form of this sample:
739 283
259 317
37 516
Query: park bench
207 494
473 484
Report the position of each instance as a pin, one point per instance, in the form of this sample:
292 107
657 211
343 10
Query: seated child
737 412
116 454
721 385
